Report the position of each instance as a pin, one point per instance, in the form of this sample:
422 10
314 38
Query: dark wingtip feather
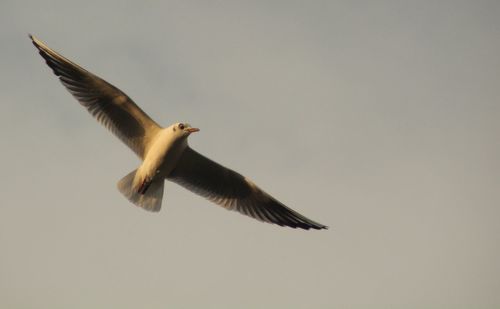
309 224
34 40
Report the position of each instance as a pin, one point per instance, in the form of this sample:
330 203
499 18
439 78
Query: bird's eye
181 126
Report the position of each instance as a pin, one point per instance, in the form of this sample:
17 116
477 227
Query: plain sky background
380 119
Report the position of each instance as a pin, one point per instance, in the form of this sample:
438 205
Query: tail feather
149 200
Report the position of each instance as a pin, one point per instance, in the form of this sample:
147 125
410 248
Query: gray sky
379 119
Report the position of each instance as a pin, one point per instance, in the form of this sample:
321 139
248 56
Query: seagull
165 152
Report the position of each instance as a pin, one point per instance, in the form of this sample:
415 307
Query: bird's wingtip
321 227
35 40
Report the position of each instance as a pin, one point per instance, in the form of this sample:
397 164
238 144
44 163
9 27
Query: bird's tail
146 195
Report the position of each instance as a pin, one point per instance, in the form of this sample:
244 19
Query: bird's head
182 129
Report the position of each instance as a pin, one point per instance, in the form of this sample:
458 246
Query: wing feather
108 104
234 192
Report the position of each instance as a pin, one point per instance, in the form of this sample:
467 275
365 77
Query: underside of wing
233 191
108 104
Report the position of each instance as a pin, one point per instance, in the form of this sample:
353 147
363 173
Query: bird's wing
233 191
108 104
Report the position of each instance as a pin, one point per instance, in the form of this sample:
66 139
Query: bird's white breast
163 154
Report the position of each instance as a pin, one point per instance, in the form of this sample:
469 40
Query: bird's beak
192 130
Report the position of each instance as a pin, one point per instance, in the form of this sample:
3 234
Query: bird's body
165 152
161 157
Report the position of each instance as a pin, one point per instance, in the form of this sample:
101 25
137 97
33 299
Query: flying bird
165 152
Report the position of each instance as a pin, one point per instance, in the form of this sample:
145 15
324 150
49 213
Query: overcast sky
379 119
